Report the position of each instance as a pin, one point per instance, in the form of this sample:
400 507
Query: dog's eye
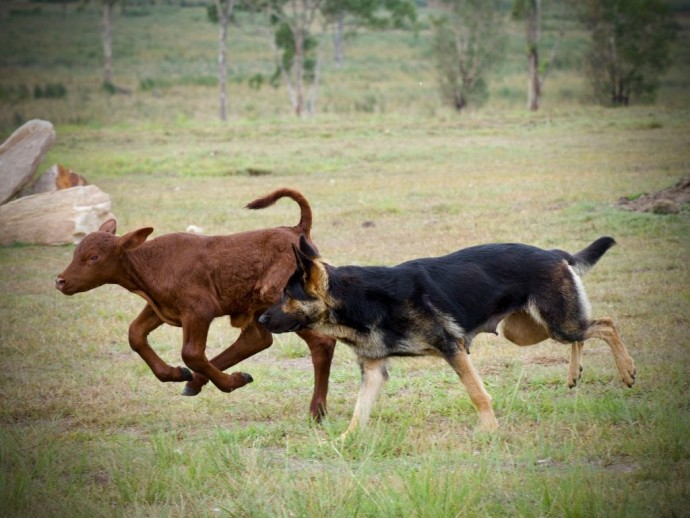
93 258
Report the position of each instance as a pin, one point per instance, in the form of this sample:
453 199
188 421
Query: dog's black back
426 306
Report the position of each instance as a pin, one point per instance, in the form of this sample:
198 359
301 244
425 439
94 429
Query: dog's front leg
475 388
374 375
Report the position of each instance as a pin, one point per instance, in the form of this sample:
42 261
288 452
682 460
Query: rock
56 178
665 206
193 229
21 154
54 218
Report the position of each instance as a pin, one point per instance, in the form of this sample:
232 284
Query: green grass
85 428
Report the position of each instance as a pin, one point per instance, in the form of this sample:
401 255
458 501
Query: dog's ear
306 248
304 257
299 260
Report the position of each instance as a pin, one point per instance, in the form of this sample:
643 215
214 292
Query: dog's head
304 303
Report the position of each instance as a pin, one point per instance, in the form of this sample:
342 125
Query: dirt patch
667 201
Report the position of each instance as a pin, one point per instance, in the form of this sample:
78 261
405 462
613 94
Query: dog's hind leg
374 375
575 367
475 388
603 328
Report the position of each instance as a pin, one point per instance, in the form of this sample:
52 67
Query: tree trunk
533 36
533 85
314 92
339 40
107 38
299 72
224 15
223 70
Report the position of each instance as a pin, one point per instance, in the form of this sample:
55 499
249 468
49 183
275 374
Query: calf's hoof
234 381
186 374
190 391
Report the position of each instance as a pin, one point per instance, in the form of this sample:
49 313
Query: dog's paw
488 423
629 375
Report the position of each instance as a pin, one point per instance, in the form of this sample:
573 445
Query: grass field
86 429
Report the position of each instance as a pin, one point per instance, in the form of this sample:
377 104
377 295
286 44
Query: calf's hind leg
321 348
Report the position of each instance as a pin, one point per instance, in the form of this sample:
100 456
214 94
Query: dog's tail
305 215
584 260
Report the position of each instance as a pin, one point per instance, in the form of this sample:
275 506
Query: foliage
14 93
50 91
212 12
285 43
467 43
630 47
376 14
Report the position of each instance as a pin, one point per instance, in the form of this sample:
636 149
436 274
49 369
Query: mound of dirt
666 201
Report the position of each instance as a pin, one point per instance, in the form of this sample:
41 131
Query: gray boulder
54 218
21 154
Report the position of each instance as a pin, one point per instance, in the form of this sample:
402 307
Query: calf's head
304 303
96 260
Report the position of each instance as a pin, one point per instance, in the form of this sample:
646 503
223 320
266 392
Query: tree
107 40
629 49
223 14
531 12
378 14
297 60
467 42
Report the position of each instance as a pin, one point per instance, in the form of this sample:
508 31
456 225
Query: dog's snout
263 319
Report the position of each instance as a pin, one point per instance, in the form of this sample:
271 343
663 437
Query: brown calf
188 280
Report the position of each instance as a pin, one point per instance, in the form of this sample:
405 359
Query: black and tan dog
435 306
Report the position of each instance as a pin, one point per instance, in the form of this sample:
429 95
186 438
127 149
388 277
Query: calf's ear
133 239
109 226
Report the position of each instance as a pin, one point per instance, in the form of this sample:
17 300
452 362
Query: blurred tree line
629 48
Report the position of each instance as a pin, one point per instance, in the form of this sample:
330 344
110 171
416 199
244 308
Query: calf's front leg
139 329
252 339
195 332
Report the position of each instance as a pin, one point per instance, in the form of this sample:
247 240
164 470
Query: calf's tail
305 210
